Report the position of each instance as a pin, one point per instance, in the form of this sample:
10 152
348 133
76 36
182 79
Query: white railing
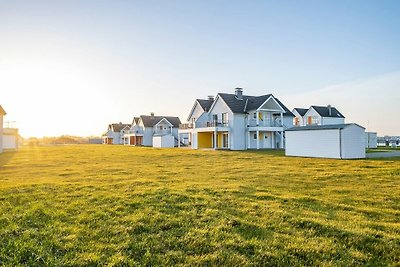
264 123
205 124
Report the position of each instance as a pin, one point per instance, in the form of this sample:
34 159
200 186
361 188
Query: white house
2 113
299 119
317 115
115 133
371 139
156 131
237 122
340 141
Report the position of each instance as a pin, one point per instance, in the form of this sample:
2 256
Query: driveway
388 154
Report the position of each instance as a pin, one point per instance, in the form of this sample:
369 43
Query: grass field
90 205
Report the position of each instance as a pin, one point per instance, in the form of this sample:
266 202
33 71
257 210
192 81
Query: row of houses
236 121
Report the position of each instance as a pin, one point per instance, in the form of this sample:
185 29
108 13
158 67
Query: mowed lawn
90 205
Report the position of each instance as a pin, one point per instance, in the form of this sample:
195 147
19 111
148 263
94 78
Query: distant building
317 115
2 113
151 130
371 140
115 133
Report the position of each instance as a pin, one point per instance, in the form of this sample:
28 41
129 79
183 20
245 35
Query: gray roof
205 103
322 127
2 111
249 103
117 127
301 111
150 121
324 112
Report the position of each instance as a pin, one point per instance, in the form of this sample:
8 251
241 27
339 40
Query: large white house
2 113
156 131
317 115
115 133
237 122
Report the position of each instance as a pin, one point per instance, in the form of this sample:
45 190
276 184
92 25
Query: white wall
330 121
353 142
197 112
313 143
194 141
164 141
148 136
311 112
288 122
238 133
10 141
371 140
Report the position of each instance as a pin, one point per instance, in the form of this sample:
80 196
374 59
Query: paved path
388 154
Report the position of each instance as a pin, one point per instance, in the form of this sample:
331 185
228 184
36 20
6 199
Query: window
224 118
255 136
255 115
225 140
296 121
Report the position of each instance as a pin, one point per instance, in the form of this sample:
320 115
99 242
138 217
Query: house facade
115 133
2 114
237 122
151 130
317 115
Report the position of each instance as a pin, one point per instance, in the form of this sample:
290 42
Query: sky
73 67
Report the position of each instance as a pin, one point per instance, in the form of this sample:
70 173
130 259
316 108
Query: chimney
330 110
210 97
239 93
152 114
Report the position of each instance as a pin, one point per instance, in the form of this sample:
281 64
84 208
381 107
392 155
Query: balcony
205 124
185 126
162 132
264 123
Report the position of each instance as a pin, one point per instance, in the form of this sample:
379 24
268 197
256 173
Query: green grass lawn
90 205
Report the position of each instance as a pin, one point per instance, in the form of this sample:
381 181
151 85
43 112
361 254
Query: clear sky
72 67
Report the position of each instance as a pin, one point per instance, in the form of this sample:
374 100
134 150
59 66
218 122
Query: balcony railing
212 124
134 132
265 123
162 132
184 126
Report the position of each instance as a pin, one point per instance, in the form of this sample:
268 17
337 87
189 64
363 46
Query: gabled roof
301 111
135 120
288 112
249 103
205 103
322 127
324 112
117 127
2 111
150 121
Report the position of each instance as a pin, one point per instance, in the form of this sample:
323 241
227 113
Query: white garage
339 141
